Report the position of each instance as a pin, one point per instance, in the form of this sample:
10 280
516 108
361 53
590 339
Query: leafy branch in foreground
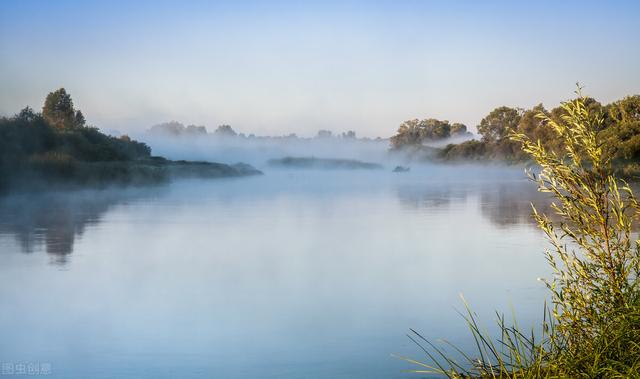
594 327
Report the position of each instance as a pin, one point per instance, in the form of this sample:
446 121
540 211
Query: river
294 274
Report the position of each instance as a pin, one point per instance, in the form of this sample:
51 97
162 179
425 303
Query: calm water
288 275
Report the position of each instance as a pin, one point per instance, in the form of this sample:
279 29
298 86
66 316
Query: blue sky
296 67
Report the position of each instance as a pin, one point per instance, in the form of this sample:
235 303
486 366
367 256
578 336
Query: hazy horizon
134 251
289 67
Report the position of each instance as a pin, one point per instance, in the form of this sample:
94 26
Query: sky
280 67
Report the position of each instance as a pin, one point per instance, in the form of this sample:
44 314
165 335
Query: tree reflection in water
504 203
54 221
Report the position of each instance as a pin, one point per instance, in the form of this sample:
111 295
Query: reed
592 327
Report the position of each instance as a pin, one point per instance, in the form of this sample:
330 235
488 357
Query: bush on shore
57 147
592 328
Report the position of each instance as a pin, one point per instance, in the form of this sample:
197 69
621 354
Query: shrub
593 327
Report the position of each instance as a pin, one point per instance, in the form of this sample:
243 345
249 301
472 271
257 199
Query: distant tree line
174 128
412 133
619 132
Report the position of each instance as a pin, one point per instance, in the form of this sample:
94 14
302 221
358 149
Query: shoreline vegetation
175 129
592 327
322 163
56 148
443 142
619 135
582 148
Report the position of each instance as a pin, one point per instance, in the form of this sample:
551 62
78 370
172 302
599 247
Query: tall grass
592 328
513 354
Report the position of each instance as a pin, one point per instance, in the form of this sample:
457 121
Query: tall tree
408 134
497 124
58 110
434 129
458 129
79 119
415 132
622 137
225 131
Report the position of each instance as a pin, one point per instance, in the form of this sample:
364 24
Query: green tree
594 254
622 138
225 131
79 119
433 129
59 112
408 134
458 129
536 129
531 125
593 328
497 124
415 132
27 115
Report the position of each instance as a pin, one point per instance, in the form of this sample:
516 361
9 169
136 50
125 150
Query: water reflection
434 197
504 204
509 204
229 274
53 221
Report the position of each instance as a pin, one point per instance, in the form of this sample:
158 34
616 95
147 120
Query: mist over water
286 189
257 151
314 274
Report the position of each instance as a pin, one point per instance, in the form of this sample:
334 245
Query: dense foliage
57 139
619 132
593 327
177 129
595 258
416 132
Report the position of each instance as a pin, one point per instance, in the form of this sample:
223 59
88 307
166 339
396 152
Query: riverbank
323 163
40 175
